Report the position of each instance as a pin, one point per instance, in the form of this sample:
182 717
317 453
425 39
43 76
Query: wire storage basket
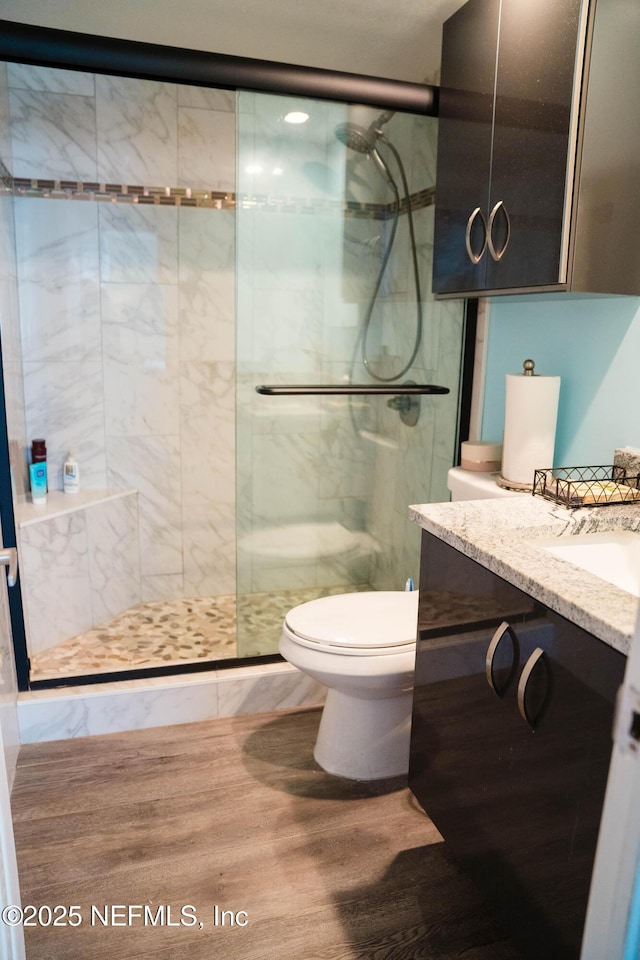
586 486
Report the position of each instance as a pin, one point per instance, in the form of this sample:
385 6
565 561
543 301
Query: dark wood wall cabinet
510 746
538 175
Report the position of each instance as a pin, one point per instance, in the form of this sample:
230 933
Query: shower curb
92 710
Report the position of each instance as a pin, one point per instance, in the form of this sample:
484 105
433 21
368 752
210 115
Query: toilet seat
356 624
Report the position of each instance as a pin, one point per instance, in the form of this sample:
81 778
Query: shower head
355 137
362 139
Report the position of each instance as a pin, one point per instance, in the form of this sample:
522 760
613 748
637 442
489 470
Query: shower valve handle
401 403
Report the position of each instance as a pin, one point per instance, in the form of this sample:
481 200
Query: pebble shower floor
177 631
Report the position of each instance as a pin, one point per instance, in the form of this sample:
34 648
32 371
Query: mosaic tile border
186 197
121 193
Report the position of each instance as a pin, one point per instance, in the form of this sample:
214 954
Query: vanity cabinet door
517 802
504 150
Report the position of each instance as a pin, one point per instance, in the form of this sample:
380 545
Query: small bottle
38 471
70 475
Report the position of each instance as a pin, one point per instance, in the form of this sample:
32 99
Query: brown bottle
38 451
38 471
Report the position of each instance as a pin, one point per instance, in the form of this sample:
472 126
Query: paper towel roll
531 413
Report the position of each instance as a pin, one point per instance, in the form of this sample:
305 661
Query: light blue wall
593 344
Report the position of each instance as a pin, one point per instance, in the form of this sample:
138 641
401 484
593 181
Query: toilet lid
386 618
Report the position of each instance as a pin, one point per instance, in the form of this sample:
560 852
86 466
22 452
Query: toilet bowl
362 647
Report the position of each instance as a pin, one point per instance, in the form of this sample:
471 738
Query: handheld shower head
362 139
365 140
355 137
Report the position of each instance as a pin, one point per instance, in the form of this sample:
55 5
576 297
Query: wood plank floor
234 813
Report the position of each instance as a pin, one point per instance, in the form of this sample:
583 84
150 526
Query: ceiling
397 39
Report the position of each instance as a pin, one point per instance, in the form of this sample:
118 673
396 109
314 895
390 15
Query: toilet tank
474 485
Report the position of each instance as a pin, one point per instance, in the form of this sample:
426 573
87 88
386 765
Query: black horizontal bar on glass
348 389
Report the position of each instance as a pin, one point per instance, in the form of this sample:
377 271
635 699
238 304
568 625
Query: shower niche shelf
58 504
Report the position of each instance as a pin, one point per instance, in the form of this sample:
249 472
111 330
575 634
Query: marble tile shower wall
9 315
127 310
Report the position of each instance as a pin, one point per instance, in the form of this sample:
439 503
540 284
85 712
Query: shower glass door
327 249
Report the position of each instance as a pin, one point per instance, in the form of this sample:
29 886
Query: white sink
614 557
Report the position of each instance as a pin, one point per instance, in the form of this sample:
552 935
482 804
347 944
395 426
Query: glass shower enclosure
334 243
168 251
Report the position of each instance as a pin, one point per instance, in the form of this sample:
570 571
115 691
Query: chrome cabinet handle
504 628
475 257
498 254
9 558
537 657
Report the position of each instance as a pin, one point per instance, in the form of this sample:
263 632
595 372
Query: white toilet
362 647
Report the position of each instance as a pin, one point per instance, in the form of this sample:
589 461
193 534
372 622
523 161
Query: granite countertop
501 535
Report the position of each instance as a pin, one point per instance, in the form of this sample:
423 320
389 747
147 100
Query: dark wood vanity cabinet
511 743
536 99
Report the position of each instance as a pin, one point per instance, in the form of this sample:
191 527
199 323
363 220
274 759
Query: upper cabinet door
510 97
467 83
529 205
